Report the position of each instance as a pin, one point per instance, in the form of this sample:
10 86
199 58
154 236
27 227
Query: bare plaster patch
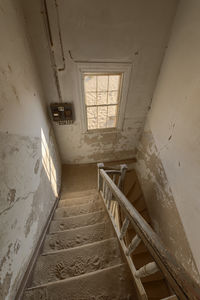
160 202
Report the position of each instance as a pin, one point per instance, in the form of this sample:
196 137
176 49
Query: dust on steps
81 258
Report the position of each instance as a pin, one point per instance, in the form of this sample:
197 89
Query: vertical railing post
100 181
123 169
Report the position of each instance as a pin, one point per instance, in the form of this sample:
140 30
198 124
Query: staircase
93 238
81 257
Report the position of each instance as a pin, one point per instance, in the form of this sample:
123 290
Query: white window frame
105 68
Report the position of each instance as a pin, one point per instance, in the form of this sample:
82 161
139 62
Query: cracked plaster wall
29 159
168 152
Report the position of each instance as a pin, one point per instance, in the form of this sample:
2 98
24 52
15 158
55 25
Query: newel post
100 181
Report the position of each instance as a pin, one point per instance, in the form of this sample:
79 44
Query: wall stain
9 68
161 204
37 164
11 196
15 93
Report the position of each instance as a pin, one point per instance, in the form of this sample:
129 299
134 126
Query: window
102 98
103 89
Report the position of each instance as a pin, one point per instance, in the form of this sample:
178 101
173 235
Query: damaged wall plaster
103 31
29 160
174 121
161 204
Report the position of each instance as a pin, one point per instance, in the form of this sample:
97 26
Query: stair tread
78 193
94 285
78 236
78 200
60 265
78 221
77 209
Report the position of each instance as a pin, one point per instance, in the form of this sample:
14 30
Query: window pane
114 81
90 83
92 124
91 98
111 122
102 98
102 116
92 112
113 97
112 111
102 83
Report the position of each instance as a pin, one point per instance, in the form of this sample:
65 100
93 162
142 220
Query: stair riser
77 237
64 212
77 201
78 194
109 284
78 221
78 261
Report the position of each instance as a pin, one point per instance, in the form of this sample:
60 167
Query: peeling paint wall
169 161
161 203
29 159
134 31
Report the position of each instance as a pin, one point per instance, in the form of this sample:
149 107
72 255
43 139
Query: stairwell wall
168 152
29 160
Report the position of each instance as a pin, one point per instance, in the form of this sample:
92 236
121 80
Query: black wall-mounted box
62 113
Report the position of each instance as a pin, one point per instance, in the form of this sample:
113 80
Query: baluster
123 169
100 166
124 228
147 270
105 190
114 178
104 186
133 245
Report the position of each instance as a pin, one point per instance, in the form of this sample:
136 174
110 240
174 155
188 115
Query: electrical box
62 113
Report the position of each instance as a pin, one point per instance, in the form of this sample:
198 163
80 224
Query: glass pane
90 83
111 122
113 97
112 111
92 124
102 98
114 81
91 98
102 116
102 83
92 112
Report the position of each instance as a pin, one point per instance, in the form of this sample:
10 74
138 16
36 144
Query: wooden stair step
60 265
63 212
78 221
113 283
77 237
78 200
78 194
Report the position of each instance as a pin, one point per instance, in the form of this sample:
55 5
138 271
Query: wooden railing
110 186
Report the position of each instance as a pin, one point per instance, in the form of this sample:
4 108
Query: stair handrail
178 278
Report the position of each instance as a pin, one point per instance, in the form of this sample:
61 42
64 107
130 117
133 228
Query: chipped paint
161 204
29 202
27 191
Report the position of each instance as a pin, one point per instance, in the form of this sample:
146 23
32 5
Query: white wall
29 160
120 31
174 119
